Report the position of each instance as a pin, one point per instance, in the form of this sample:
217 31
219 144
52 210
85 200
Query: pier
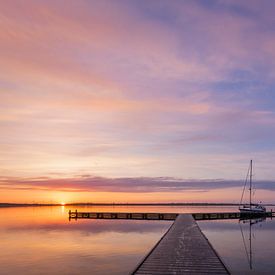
164 216
183 249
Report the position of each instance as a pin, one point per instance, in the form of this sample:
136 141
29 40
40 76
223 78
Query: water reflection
246 246
43 241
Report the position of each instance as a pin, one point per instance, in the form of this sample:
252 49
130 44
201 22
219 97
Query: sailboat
251 208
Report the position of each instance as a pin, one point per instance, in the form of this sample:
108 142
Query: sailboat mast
250 245
250 188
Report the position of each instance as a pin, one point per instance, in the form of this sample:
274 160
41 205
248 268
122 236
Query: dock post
70 212
76 214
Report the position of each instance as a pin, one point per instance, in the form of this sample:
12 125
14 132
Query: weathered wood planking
182 250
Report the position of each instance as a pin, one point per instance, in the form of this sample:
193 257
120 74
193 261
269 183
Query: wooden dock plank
182 250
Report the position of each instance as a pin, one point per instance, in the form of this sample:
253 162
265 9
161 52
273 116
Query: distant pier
164 216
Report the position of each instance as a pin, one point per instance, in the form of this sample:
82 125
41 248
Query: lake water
41 240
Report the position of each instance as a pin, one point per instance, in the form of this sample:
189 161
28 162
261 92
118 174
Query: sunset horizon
129 190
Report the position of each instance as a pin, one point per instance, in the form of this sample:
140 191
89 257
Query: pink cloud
138 185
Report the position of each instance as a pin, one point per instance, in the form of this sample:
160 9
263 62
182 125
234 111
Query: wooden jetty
182 250
123 216
164 216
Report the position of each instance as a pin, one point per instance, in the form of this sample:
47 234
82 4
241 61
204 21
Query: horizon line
128 204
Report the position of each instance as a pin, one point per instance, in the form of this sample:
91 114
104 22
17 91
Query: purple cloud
133 185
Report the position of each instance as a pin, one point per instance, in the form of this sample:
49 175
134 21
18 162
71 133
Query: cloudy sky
159 100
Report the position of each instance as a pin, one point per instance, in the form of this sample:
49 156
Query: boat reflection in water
248 247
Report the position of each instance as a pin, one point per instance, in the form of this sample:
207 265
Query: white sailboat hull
253 209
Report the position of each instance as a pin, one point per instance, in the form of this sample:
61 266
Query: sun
63 203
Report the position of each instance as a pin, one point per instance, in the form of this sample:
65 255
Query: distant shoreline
120 204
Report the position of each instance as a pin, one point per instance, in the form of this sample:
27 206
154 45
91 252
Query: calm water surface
231 239
41 240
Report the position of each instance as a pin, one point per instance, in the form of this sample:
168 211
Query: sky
133 101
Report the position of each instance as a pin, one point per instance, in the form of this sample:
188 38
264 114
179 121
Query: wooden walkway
182 250
164 216
122 215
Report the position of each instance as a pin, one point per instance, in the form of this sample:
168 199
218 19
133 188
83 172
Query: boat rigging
251 208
